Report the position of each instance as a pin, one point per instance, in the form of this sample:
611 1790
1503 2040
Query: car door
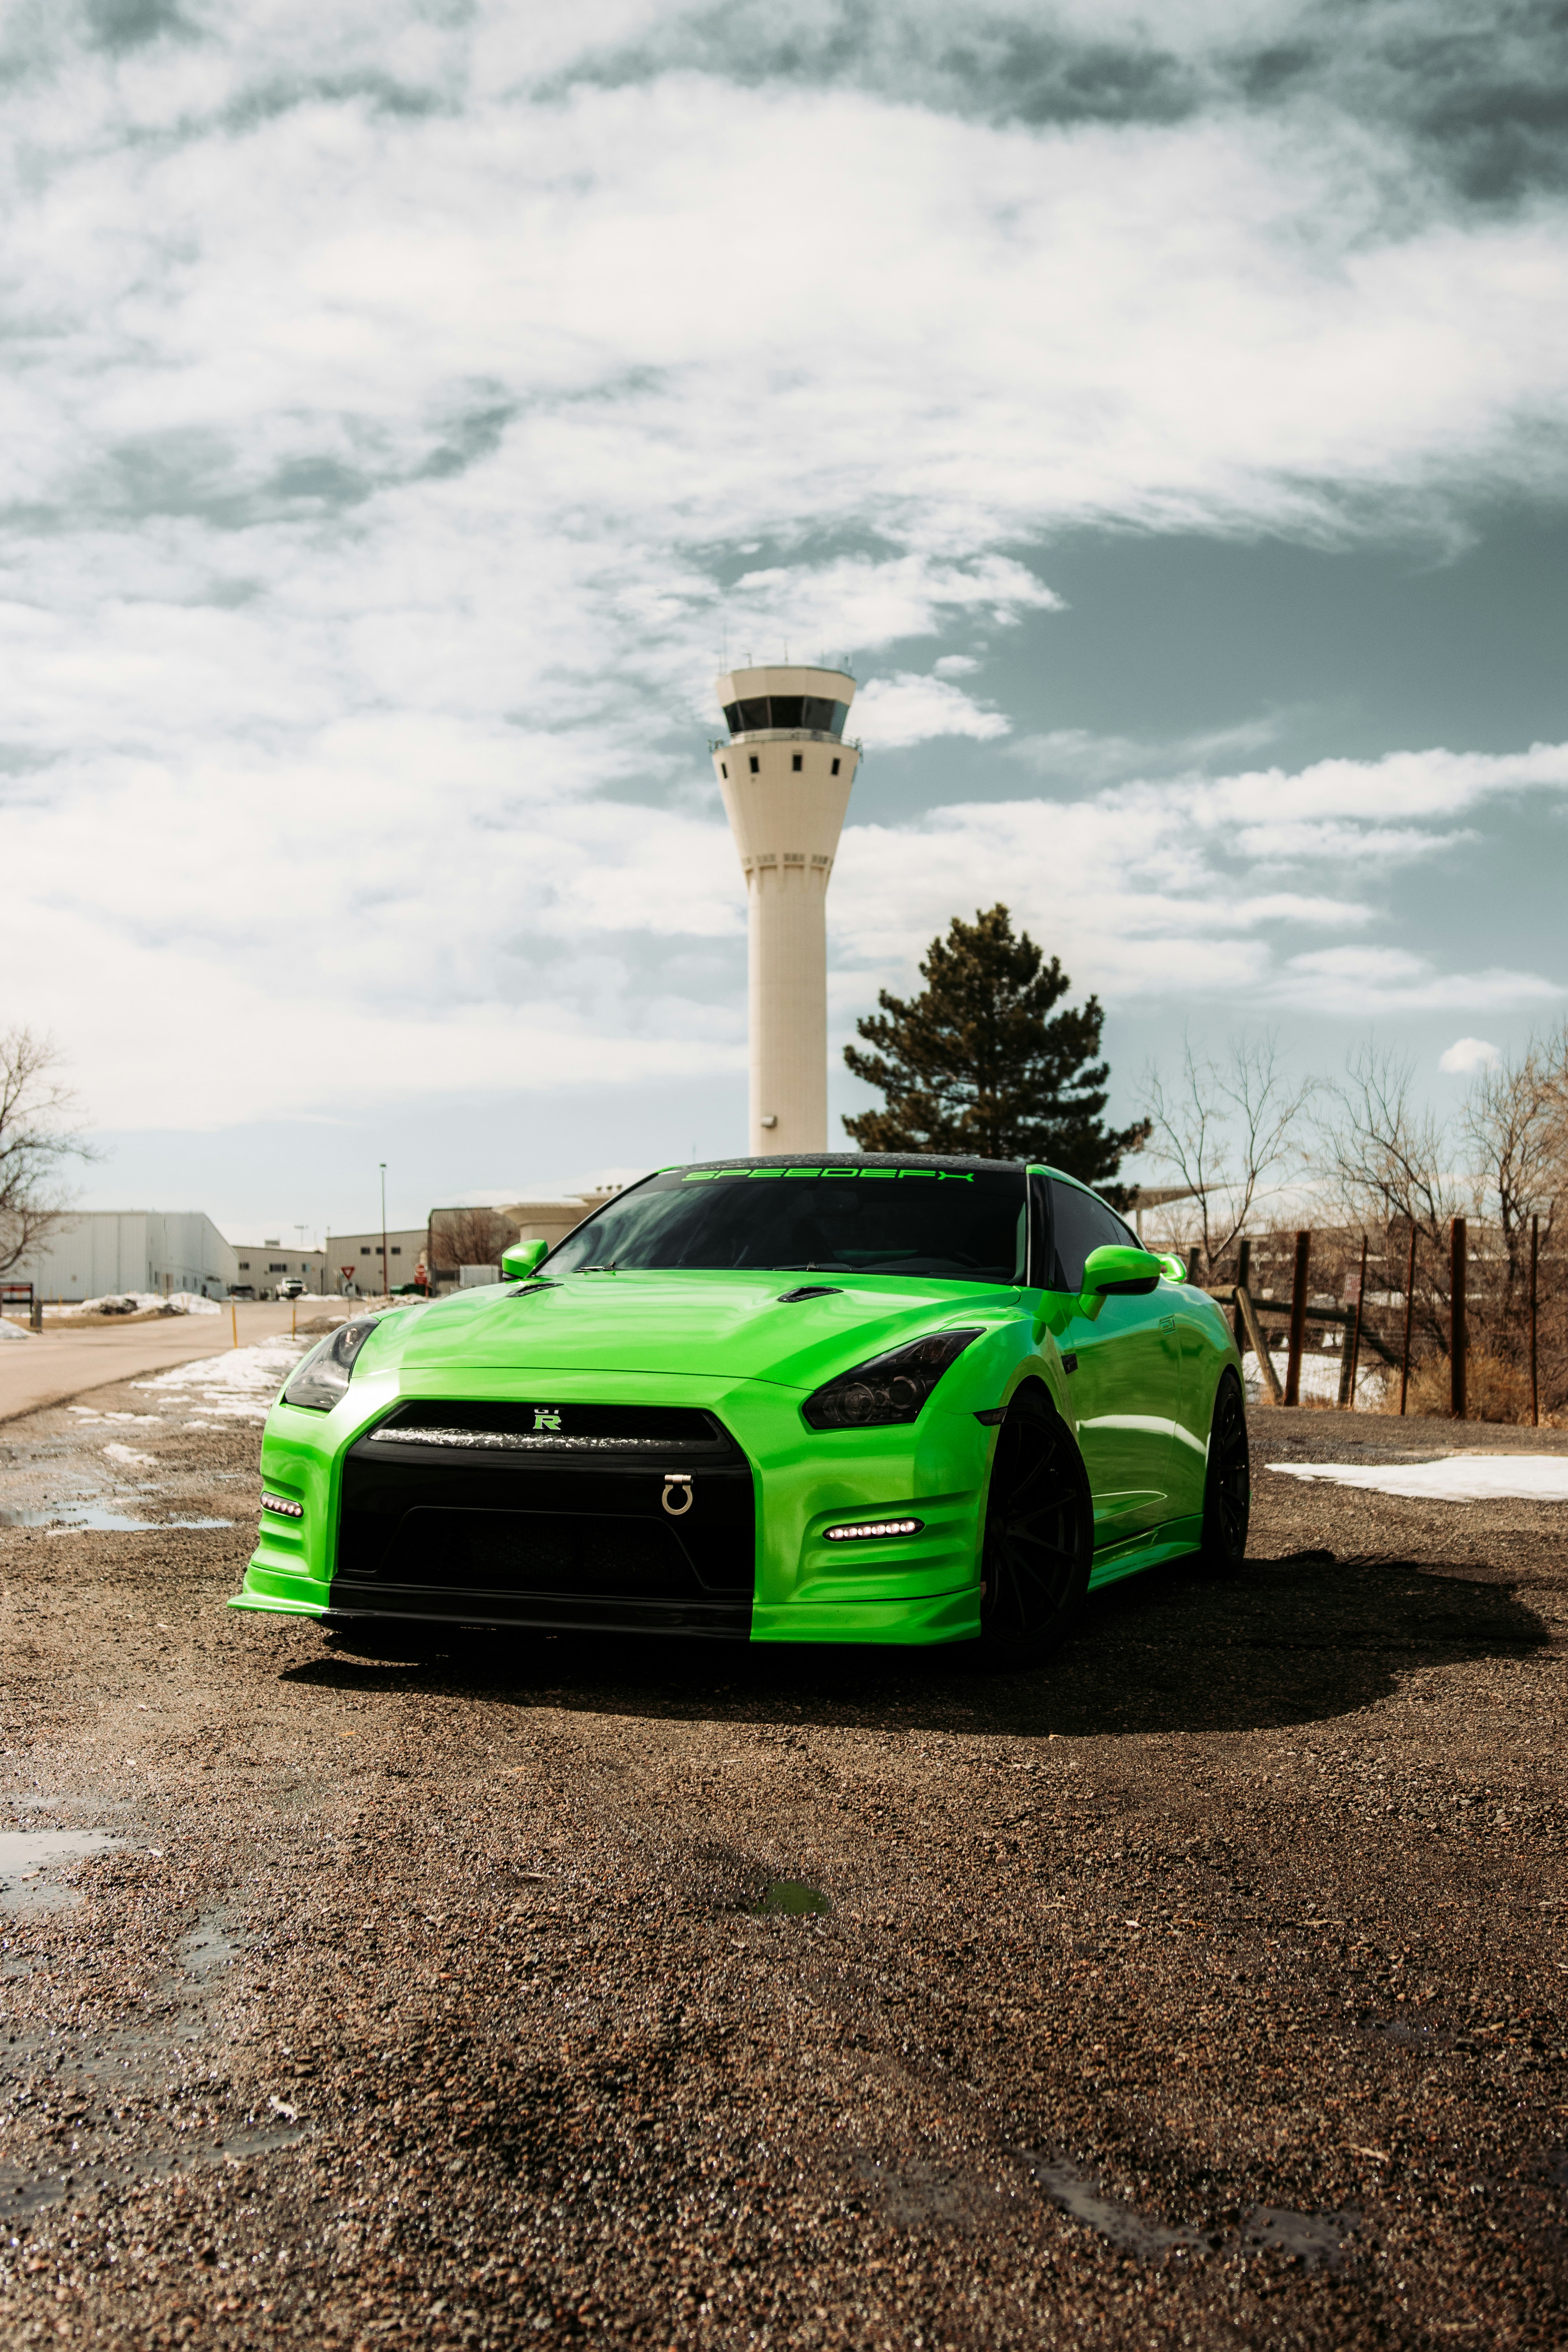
1125 1391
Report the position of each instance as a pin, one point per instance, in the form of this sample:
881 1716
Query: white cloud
1146 888
1359 982
1086 757
1467 1055
381 483
892 713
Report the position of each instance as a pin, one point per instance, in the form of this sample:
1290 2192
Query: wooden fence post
1534 1381
1409 1311
1254 1330
1243 1282
1298 1319
1351 1355
1458 1245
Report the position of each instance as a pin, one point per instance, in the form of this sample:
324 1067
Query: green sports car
854 1398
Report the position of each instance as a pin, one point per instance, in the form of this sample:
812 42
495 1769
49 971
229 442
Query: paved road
1204 1988
48 1367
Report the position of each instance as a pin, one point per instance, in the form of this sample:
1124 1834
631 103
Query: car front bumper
799 1586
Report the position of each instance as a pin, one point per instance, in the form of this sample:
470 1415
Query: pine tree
976 1064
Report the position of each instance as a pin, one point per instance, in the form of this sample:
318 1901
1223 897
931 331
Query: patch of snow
1320 1378
130 1461
238 1386
11 1331
1456 1478
182 1302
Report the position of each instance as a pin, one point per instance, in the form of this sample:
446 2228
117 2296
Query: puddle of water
791 1897
1080 2194
1318 2241
207 1948
67 1517
25 2193
126 2096
26 1854
913 2195
1408 2032
73 1518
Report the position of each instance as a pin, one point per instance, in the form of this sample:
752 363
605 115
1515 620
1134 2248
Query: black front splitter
526 1612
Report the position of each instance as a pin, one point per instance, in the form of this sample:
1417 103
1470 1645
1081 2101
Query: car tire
1227 1482
1038 1543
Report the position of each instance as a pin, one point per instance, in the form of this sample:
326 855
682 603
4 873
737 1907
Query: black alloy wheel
1039 1533
1227 1482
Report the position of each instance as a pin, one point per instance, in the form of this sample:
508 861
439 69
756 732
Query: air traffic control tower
785 775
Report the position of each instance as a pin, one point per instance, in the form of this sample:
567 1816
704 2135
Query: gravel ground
1204 1988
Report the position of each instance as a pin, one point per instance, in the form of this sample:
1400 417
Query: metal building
97 1252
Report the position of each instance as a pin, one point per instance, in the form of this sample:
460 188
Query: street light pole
385 1278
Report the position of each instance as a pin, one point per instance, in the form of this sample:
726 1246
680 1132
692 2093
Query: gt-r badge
677 1495
547 1416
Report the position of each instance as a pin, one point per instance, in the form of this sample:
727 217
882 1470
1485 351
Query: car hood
732 1325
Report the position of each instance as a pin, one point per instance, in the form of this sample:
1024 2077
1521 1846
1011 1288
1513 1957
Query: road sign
347 1272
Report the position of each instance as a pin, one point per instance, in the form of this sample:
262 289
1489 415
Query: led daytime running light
283 1506
862 1531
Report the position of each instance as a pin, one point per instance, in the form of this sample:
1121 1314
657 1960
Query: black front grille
545 1428
623 1519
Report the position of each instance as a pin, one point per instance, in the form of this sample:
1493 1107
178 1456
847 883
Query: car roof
969 1163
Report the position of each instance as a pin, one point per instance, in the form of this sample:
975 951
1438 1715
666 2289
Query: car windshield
958 1227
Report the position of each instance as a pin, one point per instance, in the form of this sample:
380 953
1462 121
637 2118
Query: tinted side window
1083 1224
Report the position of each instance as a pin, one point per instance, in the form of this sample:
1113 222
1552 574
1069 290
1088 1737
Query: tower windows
796 764
724 770
813 712
756 765
835 767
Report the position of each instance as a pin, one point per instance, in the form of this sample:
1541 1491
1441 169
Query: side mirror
519 1262
1115 1271
1174 1269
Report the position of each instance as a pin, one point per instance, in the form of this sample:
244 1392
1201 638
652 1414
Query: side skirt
1172 1540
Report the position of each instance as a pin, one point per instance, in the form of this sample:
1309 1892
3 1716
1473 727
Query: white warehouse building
95 1251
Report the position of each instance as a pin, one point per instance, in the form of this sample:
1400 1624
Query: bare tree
1389 1159
38 1137
1392 1162
1515 1129
470 1237
1226 1126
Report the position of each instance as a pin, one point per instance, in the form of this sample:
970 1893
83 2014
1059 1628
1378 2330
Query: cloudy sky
408 400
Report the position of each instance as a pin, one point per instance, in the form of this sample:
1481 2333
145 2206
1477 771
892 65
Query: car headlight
891 1388
322 1379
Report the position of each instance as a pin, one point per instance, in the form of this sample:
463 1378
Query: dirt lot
1205 1988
